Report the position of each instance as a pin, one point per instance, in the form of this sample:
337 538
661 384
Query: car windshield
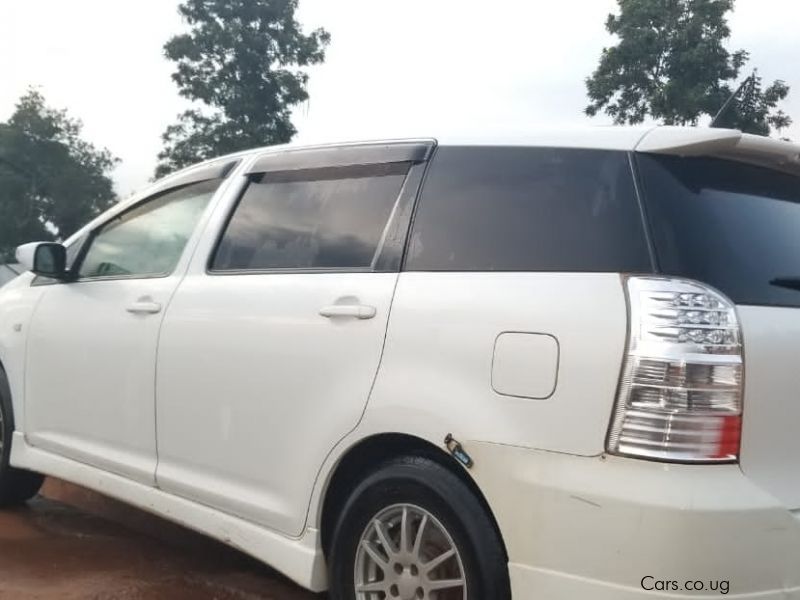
729 224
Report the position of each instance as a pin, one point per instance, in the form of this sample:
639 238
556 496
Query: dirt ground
72 544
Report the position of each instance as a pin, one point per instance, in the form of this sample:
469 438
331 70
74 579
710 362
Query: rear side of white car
562 368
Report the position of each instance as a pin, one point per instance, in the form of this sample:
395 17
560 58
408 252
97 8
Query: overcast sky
410 67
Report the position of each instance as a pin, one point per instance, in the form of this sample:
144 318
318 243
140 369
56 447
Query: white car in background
557 368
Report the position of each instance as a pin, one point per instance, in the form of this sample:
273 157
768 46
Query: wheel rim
405 553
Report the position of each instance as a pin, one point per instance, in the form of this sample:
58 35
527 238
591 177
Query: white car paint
595 527
263 375
17 303
770 435
25 255
451 372
231 416
89 377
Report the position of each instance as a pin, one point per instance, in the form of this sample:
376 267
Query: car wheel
16 486
413 530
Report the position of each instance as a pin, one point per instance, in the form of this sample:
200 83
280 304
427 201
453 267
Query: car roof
679 141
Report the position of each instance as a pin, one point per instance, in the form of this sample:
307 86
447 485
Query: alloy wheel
405 553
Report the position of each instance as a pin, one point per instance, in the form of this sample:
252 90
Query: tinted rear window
732 225
528 209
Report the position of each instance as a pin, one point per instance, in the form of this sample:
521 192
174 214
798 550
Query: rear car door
91 356
271 345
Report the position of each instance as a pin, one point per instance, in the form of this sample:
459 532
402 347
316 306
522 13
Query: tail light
680 397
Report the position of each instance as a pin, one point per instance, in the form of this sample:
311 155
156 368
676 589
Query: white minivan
563 366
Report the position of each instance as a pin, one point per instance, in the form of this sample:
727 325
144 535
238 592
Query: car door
272 342
90 368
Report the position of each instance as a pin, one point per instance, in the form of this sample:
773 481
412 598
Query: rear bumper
613 528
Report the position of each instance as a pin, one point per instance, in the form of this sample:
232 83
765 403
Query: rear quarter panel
770 454
436 373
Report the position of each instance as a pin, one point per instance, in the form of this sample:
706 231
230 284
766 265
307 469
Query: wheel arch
11 417
4 372
365 456
11 368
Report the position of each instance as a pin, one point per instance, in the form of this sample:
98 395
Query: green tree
51 180
671 64
242 63
755 110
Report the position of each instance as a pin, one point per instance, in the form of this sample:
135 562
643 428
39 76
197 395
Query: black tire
423 483
16 486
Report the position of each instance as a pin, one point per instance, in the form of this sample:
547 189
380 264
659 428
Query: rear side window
319 219
528 209
728 224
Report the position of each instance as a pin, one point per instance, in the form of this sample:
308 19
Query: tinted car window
729 224
528 209
149 239
319 219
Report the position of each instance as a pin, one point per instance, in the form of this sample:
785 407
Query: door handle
355 311
144 306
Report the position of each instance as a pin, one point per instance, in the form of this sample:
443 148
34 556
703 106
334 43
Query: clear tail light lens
680 397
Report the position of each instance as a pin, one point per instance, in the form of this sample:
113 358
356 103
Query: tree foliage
51 180
671 64
242 62
756 109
